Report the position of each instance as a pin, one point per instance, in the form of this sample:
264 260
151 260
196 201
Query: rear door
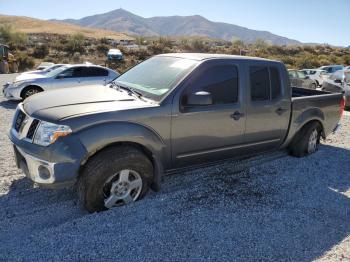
268 106
211 132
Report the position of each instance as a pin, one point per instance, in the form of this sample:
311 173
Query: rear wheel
116 176
307 140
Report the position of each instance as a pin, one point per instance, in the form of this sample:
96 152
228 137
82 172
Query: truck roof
204 56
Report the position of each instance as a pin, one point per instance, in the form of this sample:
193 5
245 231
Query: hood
63 103
28 76
39 72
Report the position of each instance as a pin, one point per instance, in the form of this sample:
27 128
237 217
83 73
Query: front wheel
307 140
313 86
116 176
29 91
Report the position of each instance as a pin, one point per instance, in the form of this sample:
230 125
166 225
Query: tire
306 141
103 174
313 86
29 91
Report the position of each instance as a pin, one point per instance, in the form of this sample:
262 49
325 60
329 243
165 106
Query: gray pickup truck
171 111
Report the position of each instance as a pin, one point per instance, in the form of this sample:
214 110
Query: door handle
237 115
281 110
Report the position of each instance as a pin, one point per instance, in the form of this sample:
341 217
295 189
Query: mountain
123 21
37 26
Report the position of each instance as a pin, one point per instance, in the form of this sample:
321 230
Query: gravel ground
272 207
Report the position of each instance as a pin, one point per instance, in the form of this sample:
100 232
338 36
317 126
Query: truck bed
301 92
323 105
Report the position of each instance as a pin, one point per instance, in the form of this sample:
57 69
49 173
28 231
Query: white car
62 77
331 68
114 54
339 82
347 68
316 74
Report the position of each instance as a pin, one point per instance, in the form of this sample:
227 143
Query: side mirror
60 76
307 77
200 98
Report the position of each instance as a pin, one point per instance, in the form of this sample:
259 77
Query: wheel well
140 147
313 121
30 86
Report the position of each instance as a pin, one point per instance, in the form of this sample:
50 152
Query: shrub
76 44
25 62
40 51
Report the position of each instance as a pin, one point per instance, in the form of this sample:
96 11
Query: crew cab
167 113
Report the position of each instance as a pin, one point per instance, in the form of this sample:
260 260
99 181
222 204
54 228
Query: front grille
32 128
19 120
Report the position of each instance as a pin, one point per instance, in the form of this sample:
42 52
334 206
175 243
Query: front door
202 133
68 78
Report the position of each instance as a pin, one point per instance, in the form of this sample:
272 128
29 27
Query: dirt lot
272 207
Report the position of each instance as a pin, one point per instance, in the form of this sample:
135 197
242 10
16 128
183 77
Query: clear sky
320 21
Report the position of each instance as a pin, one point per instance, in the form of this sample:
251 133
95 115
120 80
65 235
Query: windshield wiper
128 89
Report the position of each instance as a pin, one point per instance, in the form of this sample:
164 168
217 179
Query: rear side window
94 72
220 81
259 83
265 83
275 82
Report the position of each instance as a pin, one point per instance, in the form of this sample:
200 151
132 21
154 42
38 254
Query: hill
123 21
37 26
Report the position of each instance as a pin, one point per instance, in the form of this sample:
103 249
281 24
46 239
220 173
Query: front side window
259 83
220 81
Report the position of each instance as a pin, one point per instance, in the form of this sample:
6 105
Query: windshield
156 76
51 68
56 71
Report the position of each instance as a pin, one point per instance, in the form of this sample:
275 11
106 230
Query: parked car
339 82
44 65
114 55
301 80
44 71
317 75
330 69
347 68
62 77
168 112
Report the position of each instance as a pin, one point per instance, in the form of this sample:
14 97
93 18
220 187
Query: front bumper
56 165
11 93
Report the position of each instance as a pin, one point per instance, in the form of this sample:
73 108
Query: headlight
47 133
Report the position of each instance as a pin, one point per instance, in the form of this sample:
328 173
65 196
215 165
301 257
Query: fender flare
97 137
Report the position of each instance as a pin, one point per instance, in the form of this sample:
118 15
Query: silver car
62 77
339 82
